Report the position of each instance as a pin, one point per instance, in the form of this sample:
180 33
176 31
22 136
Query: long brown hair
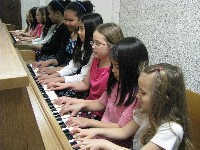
168 101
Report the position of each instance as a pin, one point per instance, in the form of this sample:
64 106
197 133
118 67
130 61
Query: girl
122 80
26 29
47 31
104 37
36 25
160 123
72 15
51 48
86 27
120 99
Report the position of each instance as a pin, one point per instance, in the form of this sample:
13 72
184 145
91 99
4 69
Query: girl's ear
58 13
110 46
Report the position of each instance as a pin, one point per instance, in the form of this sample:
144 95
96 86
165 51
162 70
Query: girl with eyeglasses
119 100
96 78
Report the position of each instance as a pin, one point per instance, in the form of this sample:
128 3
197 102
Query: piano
28 119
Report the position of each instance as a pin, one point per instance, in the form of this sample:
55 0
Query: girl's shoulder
173 126
168 135
53 26
61 28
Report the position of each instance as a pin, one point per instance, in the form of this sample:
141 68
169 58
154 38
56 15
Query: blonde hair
111 31
168 101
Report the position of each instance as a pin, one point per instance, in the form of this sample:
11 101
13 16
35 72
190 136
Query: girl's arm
97 144
24 34
53 80
84 85
151 146
85 122
92 105
50 71
77 86
43 77
79 77
46 63
112 133
70 69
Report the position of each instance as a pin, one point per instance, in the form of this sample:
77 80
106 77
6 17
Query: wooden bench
10 27
193 103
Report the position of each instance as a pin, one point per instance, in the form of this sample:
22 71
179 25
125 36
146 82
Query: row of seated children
34 26
161 121
111 76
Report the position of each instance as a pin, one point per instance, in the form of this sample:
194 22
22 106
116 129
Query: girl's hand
42 77
44 63
43 69
83 133
64 100
49 81
74 109
47 70
36 64
56 86
78 122
94 144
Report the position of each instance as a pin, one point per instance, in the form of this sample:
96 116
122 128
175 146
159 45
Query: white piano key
52 96
70 141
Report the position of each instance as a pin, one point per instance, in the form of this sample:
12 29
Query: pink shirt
98 80
117 114
37 31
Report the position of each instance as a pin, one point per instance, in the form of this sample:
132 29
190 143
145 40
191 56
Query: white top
41 40
68 72
168 136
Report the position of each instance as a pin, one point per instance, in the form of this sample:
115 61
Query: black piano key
66 131
59 119
63 125
53 109
73 143
69 137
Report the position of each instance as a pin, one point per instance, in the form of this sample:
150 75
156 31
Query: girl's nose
113 70
137 96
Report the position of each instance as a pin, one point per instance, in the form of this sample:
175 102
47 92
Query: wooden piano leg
18 127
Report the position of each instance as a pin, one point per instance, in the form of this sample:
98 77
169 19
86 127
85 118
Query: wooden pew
10 27
193 104
26 120
27 54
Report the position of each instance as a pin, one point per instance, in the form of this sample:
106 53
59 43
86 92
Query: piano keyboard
49 97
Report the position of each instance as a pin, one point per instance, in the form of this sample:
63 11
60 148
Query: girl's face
28 18
81 31
100 46
52 15
145 82
115 69
39 16
71 20
44 16
31 17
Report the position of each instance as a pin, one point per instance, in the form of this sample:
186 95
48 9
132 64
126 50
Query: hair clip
160 68
59 3
80 5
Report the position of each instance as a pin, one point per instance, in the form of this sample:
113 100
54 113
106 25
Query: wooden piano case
26 122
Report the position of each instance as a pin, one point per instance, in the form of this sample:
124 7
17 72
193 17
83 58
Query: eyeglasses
97 44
